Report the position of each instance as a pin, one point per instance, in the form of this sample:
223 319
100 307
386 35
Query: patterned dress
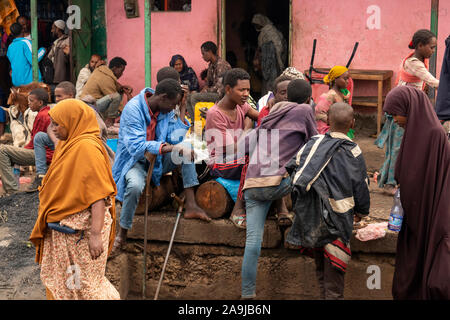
67 269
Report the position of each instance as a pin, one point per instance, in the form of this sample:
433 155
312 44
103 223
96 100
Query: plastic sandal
239 221
285 219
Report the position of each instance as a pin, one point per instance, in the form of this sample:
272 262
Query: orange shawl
80 172
407 77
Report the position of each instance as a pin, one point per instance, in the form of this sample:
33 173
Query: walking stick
179 211
151 158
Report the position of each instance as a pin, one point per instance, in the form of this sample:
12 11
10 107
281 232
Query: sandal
239 221
285 219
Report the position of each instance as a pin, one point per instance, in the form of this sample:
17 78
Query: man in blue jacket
148 125
20 56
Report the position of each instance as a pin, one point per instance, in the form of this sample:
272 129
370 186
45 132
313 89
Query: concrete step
194 231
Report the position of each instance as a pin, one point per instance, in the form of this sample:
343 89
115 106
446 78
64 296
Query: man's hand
184 152
203 112
66 50
248 123
99 63
183 101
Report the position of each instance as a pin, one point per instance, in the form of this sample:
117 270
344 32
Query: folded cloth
232 187
372 231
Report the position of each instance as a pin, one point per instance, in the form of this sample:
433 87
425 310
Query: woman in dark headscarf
423 172
187 74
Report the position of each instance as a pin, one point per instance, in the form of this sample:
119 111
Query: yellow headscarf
334 73
80 172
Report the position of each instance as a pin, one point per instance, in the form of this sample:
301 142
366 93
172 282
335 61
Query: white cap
60 24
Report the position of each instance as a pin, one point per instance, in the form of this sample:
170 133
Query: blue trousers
135 182
41 140
257 205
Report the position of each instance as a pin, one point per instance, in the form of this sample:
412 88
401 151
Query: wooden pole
34 40
148 44
434 29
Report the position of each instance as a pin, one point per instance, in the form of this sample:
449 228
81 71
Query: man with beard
86 72
60 52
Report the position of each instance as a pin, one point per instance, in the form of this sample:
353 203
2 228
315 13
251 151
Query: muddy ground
19 274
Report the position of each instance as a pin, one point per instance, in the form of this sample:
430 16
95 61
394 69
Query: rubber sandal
285 219
239 221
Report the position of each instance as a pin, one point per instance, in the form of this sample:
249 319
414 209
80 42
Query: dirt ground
19 274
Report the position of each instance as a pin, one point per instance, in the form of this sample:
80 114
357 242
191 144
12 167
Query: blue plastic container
112 143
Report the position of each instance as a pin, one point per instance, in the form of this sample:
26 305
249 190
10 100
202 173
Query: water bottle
396 216
16 171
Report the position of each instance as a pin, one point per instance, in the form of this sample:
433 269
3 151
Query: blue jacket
133 144
20 56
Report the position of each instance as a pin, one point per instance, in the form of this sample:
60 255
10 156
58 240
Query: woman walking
413 72
423 172
75 227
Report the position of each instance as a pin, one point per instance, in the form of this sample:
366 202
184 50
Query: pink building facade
383 29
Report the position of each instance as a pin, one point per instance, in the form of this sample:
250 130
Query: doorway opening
243 50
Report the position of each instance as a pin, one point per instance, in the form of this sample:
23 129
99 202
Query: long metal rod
147 204
167 256
34 40
179 211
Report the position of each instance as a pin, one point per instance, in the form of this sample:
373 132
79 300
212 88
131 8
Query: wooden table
383 78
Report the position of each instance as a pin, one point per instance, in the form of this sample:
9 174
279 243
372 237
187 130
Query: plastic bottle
396 216
16 171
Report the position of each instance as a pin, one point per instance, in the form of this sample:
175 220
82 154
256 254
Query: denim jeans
135 182
257 205
41 140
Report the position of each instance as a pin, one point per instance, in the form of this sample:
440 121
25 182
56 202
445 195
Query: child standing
338 80
330 191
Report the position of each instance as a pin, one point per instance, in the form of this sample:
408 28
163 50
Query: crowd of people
260 152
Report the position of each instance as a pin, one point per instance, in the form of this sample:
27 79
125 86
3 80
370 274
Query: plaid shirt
41 123
215 73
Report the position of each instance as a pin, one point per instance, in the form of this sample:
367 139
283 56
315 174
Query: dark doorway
242 38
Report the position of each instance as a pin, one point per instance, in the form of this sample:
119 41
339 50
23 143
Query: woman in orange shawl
413 73
77 193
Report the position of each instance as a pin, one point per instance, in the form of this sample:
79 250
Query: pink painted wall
172 33
337 25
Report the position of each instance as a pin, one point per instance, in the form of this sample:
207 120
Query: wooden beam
148 44
434 29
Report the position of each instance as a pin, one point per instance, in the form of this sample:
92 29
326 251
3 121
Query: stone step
194 231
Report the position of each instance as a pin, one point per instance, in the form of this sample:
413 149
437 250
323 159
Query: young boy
330 186
226 122
286 129
10 155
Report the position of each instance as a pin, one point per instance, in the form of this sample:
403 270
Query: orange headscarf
80 172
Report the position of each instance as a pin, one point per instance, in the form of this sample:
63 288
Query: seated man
10 155
330 186
285 130
85 73
103 85
213 87
227 121
149 126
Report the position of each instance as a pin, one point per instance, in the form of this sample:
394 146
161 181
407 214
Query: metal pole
148 44
434 29
34 40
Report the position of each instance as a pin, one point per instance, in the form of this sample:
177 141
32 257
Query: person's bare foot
119 242
193 211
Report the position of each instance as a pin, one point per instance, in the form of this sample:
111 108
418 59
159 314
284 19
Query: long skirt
68 270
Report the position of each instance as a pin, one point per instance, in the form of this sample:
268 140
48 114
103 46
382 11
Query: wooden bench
383 79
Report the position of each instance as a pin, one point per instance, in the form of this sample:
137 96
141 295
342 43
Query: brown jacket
101 83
